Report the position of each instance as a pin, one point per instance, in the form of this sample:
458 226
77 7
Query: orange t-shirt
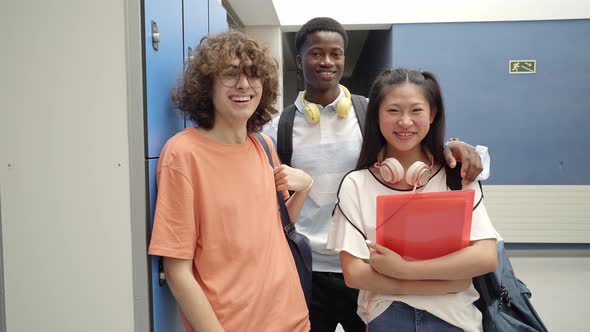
217 205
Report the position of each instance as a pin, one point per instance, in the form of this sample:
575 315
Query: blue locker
163 68
217 17
180 24
196 24
165 313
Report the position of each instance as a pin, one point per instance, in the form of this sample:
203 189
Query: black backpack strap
454 177
287 119
360 108
488 288
486 285
454 181
288 227
285 134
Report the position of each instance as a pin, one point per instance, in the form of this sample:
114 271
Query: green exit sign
522 66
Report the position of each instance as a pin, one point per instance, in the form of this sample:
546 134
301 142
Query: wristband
309 187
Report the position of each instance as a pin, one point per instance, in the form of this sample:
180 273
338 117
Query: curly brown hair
193 94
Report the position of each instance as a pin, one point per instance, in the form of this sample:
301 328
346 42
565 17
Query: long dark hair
373 140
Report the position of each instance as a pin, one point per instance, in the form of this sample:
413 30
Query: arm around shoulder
475 160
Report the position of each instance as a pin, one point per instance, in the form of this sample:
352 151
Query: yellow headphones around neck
312 112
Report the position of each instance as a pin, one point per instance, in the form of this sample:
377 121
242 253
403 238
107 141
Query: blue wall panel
163 68
166 314
536 124
217 17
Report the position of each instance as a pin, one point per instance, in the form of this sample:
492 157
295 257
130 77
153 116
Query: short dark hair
319 24
373 140
193 94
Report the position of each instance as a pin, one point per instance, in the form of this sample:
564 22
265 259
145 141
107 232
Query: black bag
287 118
298 243
503 298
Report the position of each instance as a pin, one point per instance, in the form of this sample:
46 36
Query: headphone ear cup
343 107
418 174
391 170
311 112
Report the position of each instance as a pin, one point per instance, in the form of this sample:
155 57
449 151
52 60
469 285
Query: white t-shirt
357 200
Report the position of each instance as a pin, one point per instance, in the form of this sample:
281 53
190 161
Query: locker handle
191 56
155 35
161 274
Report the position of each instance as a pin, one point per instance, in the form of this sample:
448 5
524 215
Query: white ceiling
255 12
380 14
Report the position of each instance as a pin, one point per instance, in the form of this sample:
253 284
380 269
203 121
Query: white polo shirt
326 150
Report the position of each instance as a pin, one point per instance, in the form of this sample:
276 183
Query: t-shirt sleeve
347 223
481 225
174 233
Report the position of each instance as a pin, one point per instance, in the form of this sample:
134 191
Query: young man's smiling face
236 92
322 61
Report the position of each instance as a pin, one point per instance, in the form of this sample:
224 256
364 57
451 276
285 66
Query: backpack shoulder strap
454 181
285 134
285 220
360 108
454 177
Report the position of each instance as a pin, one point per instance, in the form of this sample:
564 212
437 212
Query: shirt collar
332 105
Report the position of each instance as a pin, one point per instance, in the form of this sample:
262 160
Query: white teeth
240 98
404 134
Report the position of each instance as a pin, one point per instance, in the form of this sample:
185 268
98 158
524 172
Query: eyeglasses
231 77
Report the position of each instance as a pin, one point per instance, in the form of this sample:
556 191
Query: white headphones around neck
312 111
392 171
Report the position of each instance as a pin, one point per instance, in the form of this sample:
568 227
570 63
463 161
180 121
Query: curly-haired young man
216 222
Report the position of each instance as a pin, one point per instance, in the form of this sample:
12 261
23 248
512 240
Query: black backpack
504 300
287 118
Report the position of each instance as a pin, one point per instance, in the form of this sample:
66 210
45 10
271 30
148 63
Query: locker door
217 17
163 67
165 313
196 26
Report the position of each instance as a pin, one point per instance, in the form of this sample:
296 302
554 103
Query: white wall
271 37
64 176
559 283
540 214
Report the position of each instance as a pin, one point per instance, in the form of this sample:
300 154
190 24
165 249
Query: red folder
421 226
